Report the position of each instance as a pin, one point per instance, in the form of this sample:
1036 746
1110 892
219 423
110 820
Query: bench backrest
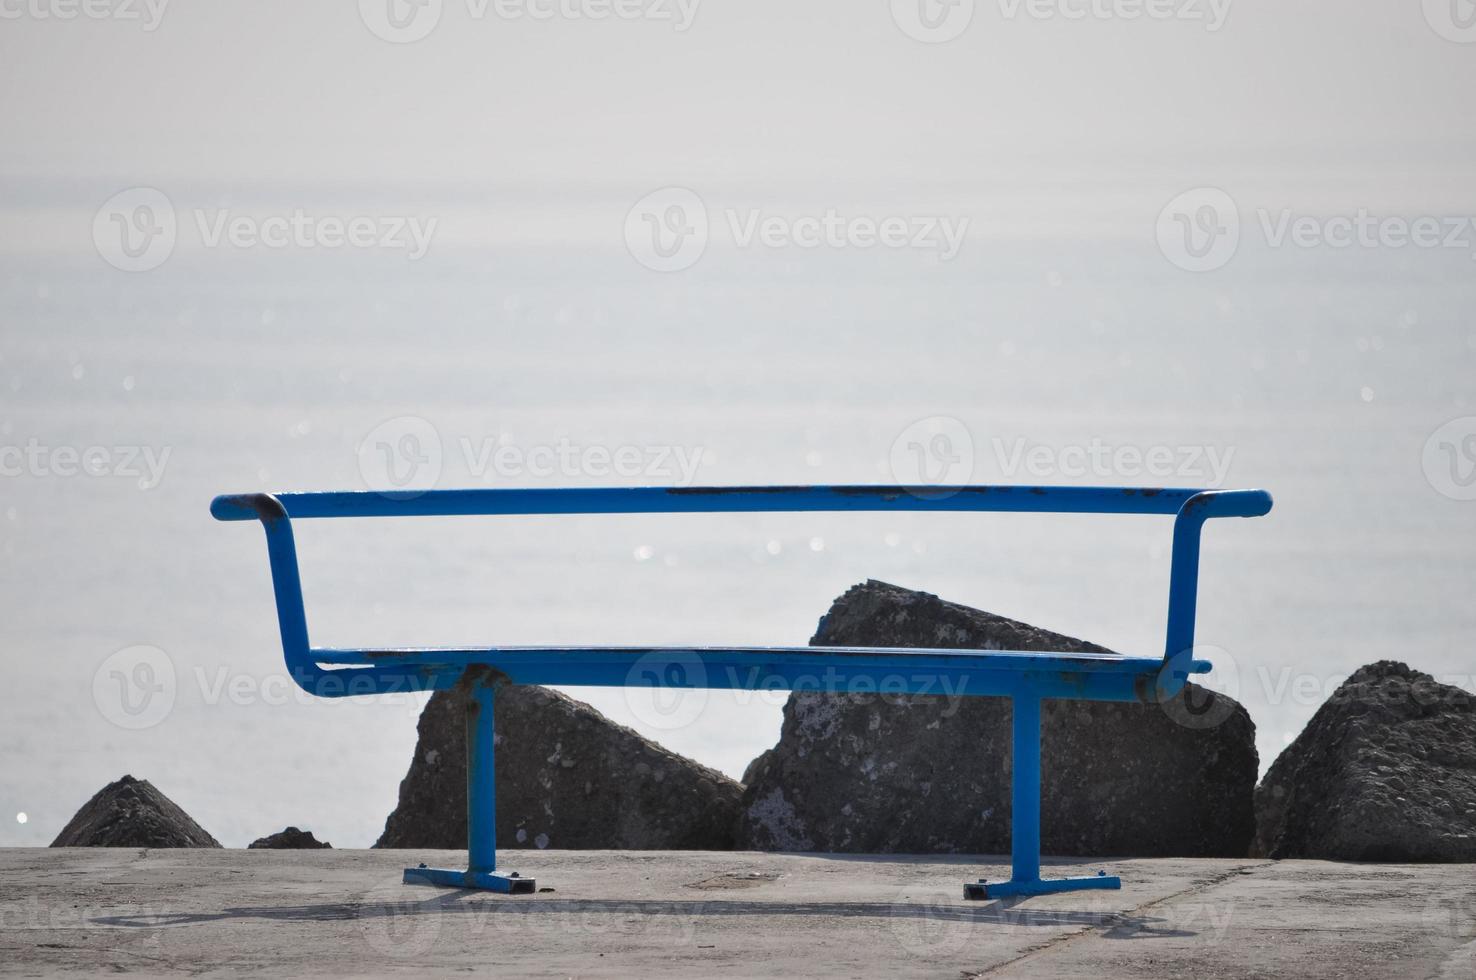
1189 507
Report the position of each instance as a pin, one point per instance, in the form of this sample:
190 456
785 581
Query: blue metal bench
1024 677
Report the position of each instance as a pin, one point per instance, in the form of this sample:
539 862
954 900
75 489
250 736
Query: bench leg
1025 819
1025 790
481 810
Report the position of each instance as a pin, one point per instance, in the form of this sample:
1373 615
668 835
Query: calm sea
1322 375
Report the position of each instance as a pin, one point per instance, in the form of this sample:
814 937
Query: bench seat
1002 673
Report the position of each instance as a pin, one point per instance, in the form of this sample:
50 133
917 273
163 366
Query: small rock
132 813
289 839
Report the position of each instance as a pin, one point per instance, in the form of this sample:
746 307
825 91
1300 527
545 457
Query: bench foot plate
490 880
1008 889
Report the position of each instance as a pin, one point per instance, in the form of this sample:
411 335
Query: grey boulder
289 839
567 777
1385 771
888 773
132 813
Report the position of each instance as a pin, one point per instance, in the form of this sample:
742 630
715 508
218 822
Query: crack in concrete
1460 964
1115 920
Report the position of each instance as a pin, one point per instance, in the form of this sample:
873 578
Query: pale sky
752 92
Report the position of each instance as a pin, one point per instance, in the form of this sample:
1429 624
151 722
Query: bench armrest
1178 651
1226 503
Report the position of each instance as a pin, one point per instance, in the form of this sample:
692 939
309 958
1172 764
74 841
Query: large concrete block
1385 771
931 773
567 777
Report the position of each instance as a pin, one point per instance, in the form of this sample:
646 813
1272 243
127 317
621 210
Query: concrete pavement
683 914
